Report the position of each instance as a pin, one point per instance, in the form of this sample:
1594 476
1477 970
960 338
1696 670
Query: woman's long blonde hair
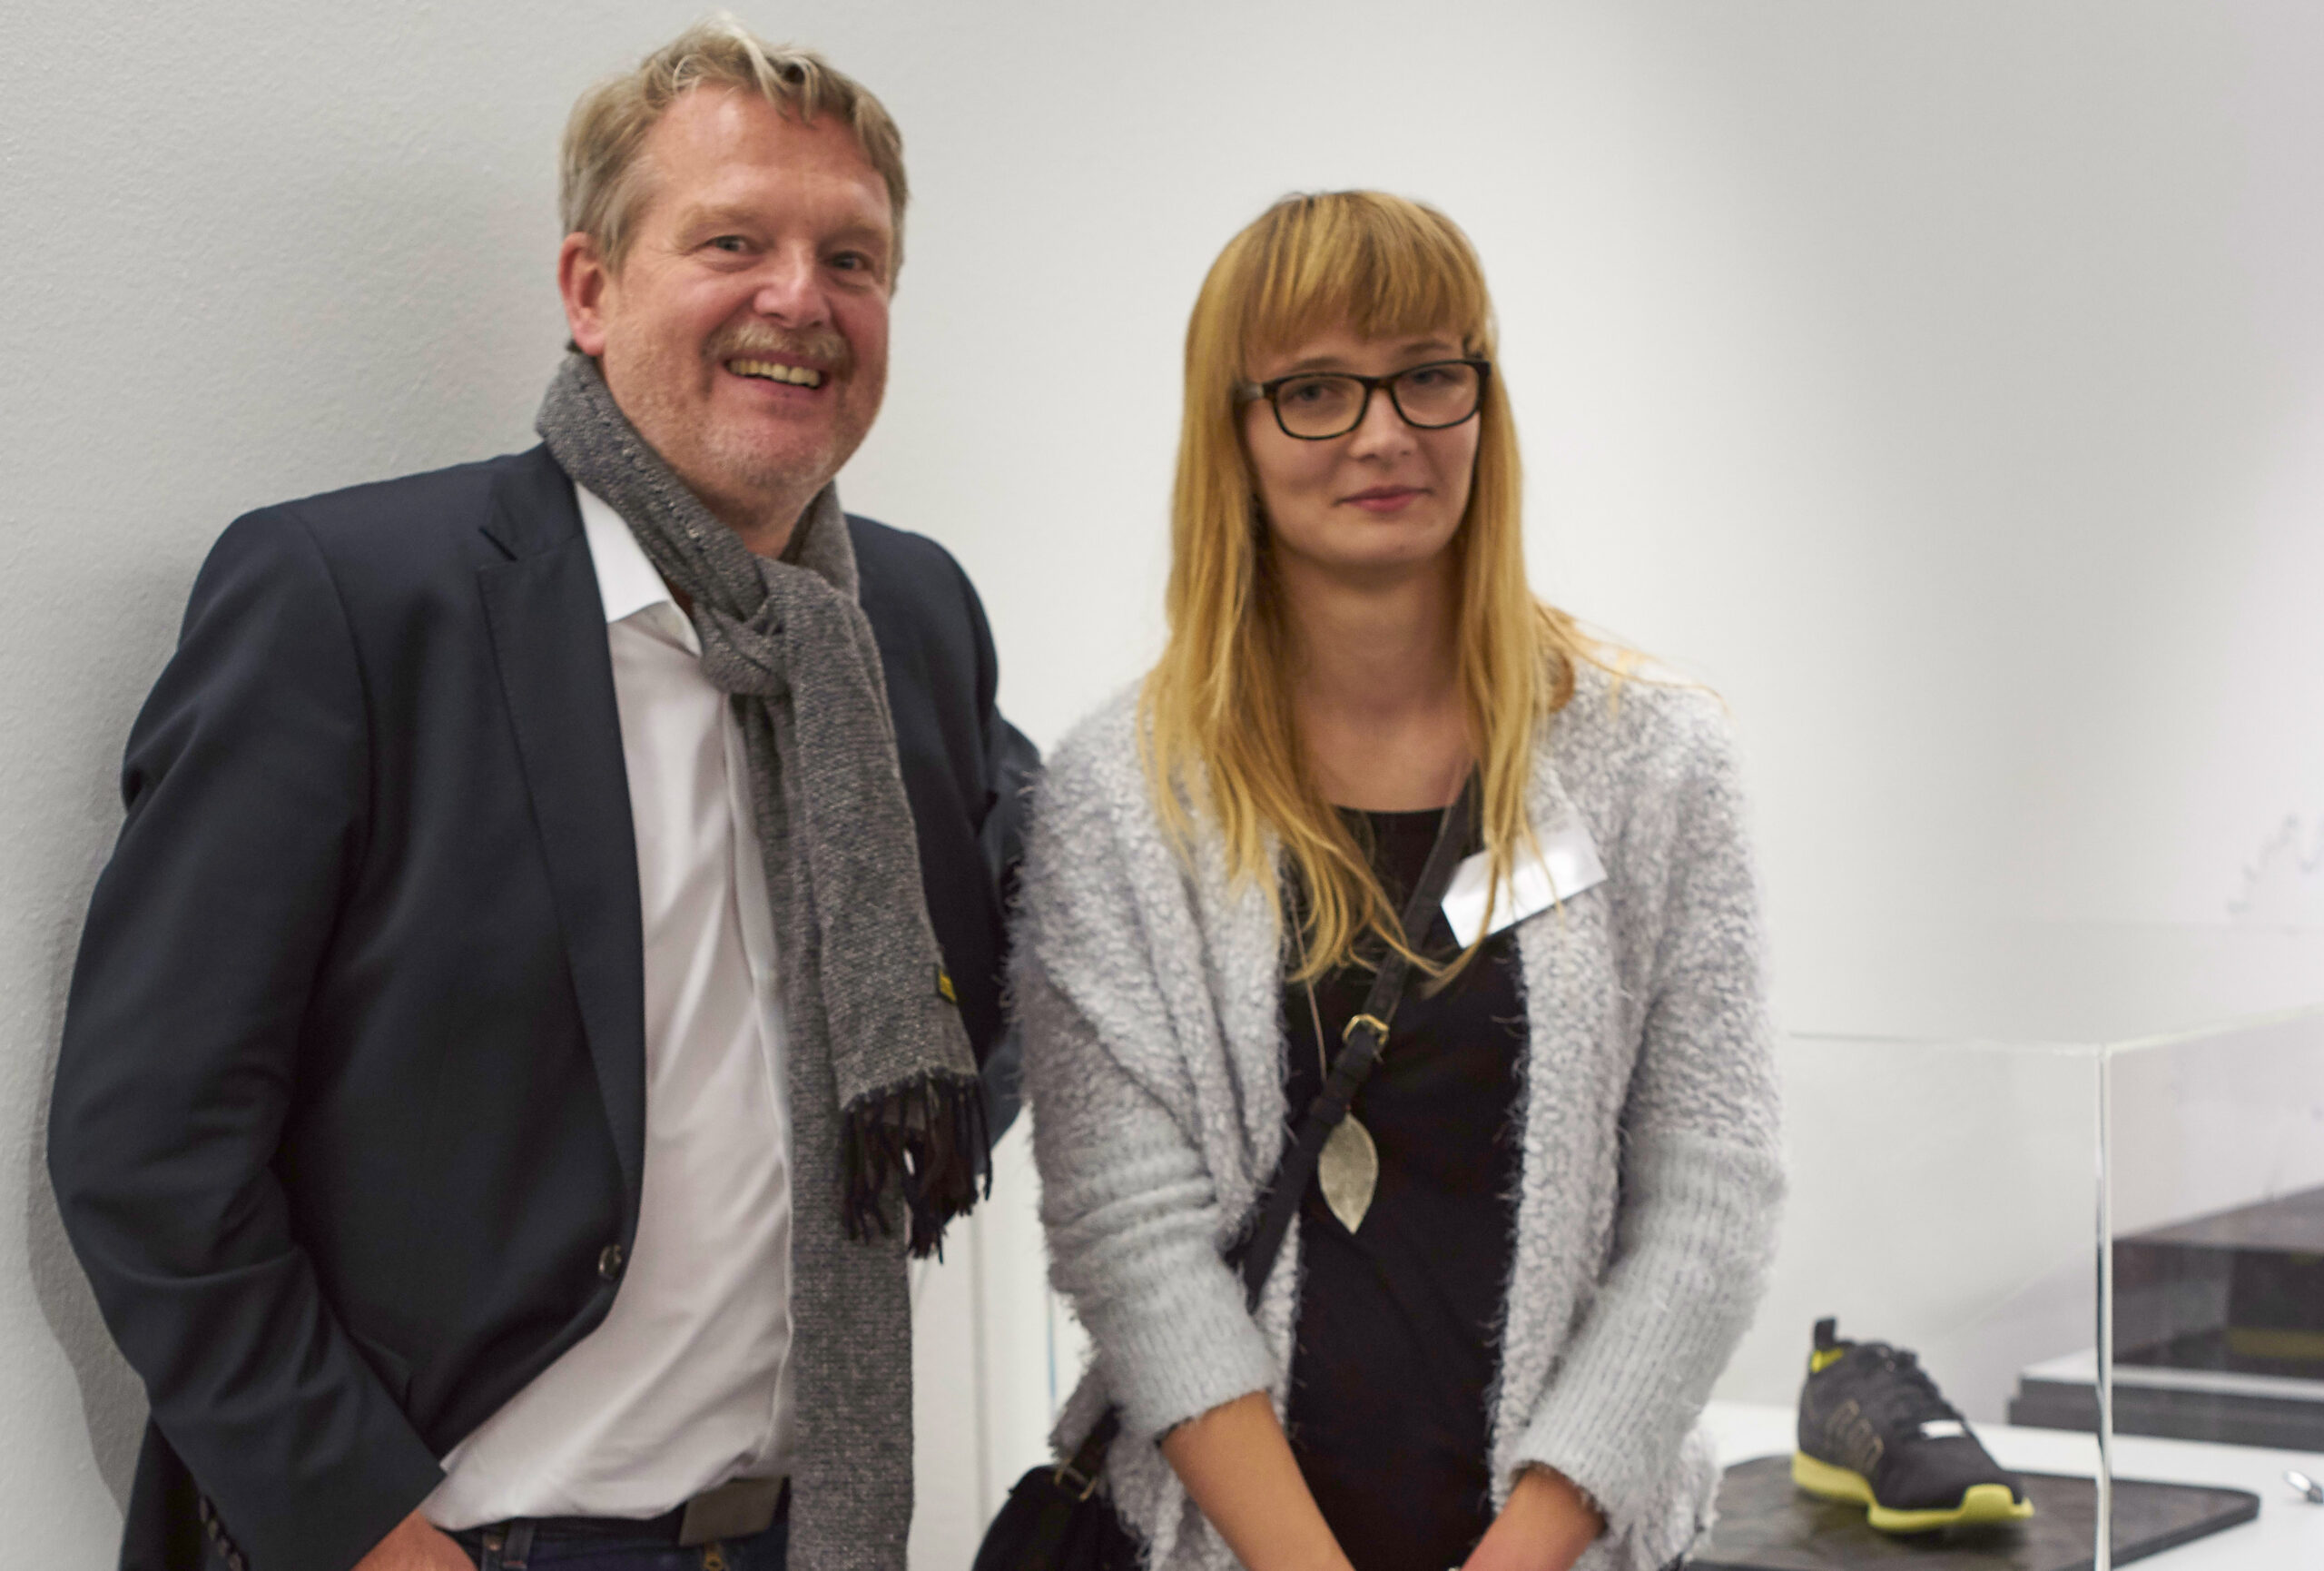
1220 733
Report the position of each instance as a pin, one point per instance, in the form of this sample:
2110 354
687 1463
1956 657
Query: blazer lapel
549 634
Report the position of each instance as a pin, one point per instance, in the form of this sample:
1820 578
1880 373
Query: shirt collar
626 580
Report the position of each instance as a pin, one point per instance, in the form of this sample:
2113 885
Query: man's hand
416 1545
1545 1527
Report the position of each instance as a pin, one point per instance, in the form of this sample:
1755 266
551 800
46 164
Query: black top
1396 1340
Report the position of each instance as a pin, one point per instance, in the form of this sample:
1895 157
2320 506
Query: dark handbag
1058 1518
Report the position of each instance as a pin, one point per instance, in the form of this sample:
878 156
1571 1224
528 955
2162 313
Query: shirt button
609 1261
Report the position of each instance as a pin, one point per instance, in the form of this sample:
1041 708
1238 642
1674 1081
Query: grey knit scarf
884 1103
788 642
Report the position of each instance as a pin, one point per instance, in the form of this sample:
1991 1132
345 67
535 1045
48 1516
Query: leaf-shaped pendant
1348 1170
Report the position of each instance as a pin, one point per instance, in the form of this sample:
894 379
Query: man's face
746 334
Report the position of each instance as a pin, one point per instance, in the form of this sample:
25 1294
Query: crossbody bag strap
1360 1050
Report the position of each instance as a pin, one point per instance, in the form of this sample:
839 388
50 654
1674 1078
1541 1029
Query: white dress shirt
686 1383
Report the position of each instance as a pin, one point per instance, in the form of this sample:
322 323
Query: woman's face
1382 497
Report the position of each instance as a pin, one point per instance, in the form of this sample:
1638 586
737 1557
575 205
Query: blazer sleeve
1013 767
1701 1176
245 787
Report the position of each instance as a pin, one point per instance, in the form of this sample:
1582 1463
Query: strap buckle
1067 1478
1374 1021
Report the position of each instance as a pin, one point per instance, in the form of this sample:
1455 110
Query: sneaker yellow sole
1979 1502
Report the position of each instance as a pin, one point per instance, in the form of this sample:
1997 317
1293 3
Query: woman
1497 1357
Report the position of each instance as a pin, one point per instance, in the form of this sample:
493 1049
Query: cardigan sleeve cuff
1181 1349
1695 1235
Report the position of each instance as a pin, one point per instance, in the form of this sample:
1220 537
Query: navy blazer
350 1113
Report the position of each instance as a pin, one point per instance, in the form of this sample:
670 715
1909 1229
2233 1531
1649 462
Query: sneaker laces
1909 1398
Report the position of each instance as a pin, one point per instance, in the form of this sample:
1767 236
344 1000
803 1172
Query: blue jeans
504 1550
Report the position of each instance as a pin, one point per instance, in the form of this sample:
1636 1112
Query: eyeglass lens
1327 405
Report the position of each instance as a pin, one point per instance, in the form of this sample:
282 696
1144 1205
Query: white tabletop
2289 1535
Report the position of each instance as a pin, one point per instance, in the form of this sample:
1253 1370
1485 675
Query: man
536 1001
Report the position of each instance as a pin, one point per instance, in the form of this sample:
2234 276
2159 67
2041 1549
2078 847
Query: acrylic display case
2014 1148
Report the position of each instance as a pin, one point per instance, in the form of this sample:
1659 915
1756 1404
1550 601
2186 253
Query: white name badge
1567 866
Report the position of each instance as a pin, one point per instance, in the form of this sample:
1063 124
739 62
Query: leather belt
738 1509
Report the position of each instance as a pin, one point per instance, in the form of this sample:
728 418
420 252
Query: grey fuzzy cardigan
1154 1054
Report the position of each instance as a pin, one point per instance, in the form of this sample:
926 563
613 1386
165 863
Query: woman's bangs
1377 267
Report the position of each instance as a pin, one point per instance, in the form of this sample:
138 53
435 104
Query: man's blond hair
601 188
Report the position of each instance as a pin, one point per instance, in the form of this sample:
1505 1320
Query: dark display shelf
2285 1422
1766 1524
2241 1291
2218 1334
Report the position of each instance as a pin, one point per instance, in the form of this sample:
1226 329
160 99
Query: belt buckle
738 1509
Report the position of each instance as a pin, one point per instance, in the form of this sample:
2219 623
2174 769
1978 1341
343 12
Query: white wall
1944 384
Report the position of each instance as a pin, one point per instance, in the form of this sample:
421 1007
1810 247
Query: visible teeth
797 375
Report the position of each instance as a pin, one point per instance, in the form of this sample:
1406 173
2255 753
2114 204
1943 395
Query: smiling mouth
774 370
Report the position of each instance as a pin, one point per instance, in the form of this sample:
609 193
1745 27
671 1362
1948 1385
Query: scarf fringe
928 1140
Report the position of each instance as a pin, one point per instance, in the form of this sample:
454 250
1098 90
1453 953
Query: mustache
819 347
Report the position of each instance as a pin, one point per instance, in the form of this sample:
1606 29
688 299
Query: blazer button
609 1261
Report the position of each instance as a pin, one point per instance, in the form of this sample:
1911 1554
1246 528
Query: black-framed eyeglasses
1315 406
